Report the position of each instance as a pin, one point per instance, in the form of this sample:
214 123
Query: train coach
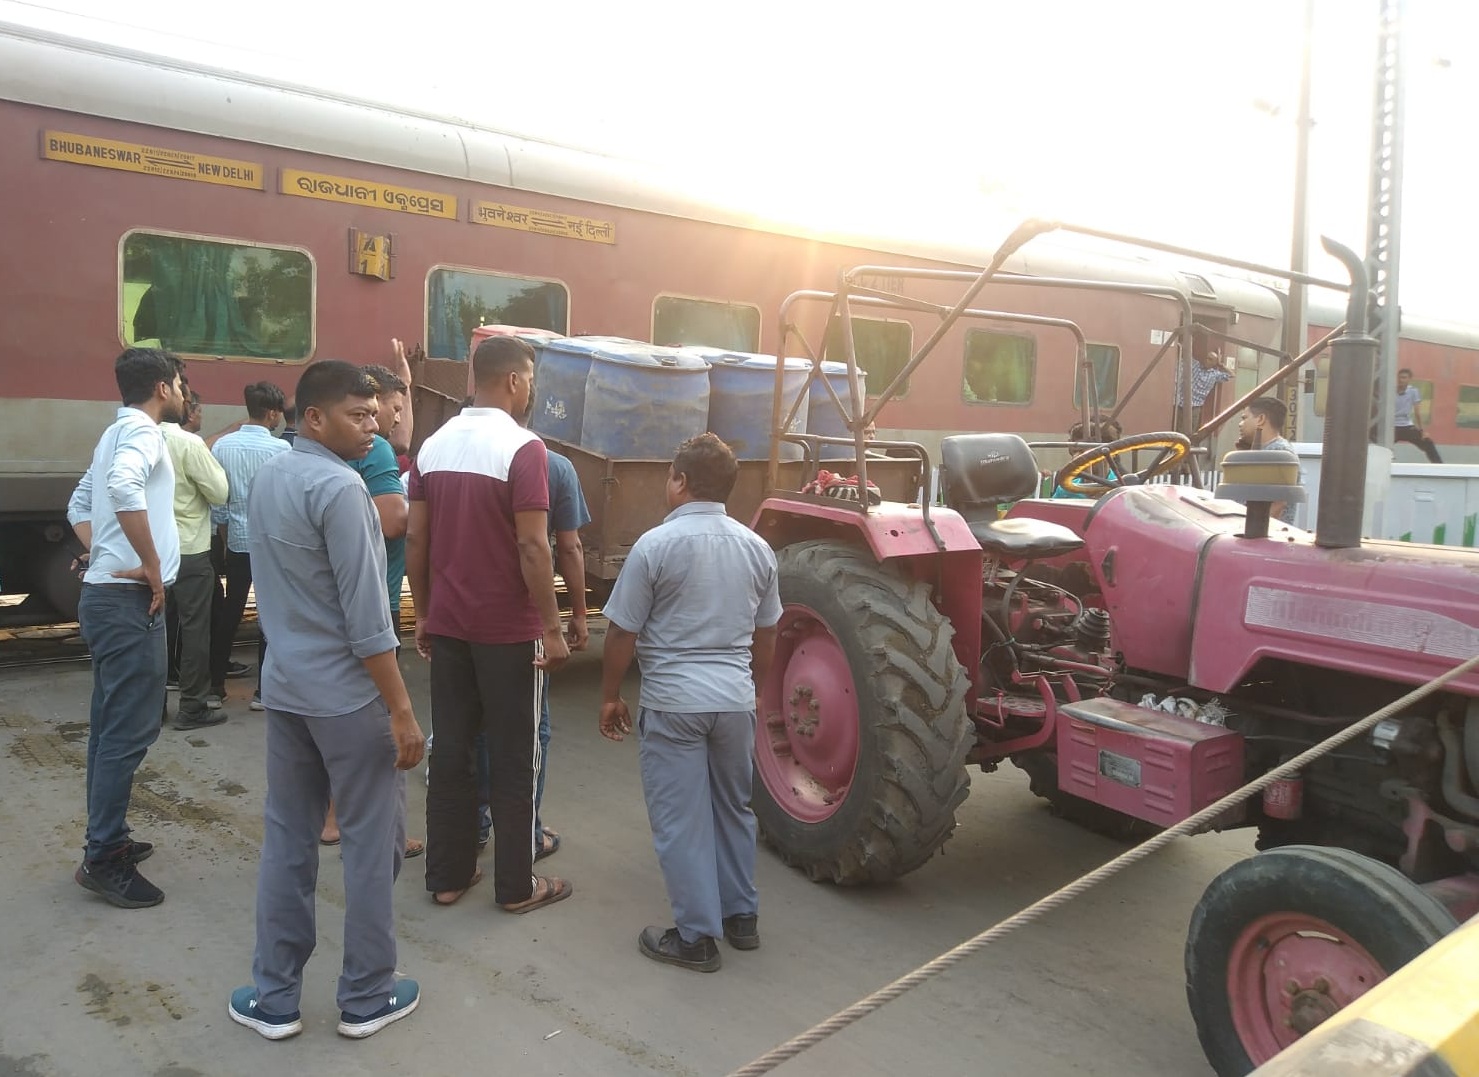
251 226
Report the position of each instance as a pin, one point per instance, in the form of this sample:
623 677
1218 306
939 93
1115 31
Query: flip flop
547 850
326 841
554 890
414 848
477 877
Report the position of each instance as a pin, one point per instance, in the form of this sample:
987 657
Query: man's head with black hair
337 407
152 381
704 469
503 375
1262 422
264 402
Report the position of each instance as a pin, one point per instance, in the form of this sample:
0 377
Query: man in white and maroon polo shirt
478 560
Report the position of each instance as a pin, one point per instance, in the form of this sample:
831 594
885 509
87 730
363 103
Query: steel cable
863 1007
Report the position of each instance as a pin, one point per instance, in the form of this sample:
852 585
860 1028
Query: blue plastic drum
642 401
741 398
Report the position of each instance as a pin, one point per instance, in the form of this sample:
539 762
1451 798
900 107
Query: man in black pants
1406 422
242 453
478 558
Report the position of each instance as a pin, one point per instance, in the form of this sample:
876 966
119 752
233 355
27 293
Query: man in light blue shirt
697 601
242 453
124 513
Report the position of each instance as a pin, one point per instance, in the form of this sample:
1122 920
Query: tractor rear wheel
860 746
1283 940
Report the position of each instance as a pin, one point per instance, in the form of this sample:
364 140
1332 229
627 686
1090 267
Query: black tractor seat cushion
1024 539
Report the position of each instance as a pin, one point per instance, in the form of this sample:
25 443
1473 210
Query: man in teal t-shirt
382 477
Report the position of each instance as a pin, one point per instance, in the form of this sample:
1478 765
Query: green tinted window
1105 359
677 321
212 297
460 300
1000 368
883 349
1468 406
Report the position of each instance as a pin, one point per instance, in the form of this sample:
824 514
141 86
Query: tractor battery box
1155 766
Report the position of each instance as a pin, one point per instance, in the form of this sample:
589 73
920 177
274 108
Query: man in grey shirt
339 719
697 602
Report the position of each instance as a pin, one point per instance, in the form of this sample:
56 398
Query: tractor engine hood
1189 597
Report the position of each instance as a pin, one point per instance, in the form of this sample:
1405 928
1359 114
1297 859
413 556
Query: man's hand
578 634
410 742
423 640
616 719
556 651
149 575
80 564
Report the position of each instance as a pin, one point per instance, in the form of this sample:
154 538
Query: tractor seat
1024 539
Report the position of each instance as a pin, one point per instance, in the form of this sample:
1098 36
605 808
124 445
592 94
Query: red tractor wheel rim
1286 973
806 739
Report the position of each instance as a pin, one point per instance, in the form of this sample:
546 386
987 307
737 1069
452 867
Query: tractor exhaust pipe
1347 415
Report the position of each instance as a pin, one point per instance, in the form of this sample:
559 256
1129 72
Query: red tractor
1139 655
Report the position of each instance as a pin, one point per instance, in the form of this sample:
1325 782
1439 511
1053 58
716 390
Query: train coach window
1468 408
883 349
197 296
1000 368
677 321
1105 359
460 300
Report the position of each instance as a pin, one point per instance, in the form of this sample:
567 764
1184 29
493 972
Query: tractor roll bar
1203 256
858 417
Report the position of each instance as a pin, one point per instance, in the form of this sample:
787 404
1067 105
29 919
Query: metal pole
1296 318
1384 221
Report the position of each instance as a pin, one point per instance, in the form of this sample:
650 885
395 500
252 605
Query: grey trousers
352 758
191 595
696 775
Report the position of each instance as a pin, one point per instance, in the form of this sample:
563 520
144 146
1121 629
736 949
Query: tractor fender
891 530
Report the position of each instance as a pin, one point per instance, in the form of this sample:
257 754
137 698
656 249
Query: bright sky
1167 118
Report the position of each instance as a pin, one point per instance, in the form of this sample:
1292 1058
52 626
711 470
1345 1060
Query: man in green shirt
200 482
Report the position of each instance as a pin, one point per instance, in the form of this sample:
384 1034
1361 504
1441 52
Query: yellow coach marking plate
357 192
542 221
149 160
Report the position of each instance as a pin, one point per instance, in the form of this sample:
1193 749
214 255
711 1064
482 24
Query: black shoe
140 851
117 881
237 669
668 947
199 721
742 932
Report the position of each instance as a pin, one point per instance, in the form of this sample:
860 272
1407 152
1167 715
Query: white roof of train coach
39 67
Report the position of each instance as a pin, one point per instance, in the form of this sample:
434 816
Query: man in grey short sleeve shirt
338 716
697 603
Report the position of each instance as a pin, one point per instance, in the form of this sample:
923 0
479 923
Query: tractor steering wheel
1075 478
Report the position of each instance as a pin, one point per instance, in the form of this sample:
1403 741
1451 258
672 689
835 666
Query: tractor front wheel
1284 940
861 741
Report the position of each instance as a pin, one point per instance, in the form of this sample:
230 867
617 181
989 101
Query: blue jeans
130 655
480 748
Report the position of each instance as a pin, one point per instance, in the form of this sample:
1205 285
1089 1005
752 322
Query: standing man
123 512
1407 423
478 558
1207 372
200 483
381 474
1262 427
339 720
567 515
242 454
697 601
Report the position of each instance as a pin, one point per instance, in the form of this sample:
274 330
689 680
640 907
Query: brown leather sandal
547 891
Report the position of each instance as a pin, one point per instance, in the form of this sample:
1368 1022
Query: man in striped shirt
242 454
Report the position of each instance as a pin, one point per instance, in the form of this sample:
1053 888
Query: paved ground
1094 989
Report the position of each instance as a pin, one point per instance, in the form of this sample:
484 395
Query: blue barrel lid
750 360
635 353
589 345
